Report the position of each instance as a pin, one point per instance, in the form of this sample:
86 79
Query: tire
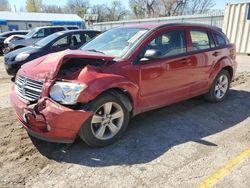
99 130
221 86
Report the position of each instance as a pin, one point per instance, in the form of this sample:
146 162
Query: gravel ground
176 146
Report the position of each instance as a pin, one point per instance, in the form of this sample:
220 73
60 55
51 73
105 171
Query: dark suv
34 36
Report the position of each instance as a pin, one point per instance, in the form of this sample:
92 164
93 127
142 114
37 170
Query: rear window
200 40
220 40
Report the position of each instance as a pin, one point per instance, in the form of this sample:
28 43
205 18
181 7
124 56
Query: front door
167 79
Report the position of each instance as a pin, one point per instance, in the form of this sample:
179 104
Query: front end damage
45 118
49 120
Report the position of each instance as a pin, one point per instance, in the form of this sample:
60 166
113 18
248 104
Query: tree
171 7
34 5
199 6
109 12
116 11
52 9
100 11
5 5
79 7
143 8
138 8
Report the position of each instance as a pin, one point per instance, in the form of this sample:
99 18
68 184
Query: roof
33 16
158 25
78 31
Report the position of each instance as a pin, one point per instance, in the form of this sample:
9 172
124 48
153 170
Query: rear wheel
220 87
108 123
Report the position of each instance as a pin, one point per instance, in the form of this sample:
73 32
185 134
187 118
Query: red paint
150 85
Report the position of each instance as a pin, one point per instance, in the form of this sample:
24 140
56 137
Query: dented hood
47 67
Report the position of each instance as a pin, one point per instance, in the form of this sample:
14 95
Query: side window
62 42
200 40
75 39
169 43
220 40
56 29
40 33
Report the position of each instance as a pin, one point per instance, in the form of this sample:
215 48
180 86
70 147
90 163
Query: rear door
203 54
167 79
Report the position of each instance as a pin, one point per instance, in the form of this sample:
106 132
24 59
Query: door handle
215 54
186 60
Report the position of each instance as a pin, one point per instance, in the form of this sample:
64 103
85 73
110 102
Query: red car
93 92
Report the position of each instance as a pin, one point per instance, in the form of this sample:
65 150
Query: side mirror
35 36
151 54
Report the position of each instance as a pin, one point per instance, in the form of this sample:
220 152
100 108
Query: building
26 21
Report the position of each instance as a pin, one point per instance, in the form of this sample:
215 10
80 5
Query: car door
203 54
61 44
76 40
166 79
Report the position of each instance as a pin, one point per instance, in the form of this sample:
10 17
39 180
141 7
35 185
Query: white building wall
237 27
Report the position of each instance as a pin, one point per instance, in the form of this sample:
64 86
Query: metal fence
215 19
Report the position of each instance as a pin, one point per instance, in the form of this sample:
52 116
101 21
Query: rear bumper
48 120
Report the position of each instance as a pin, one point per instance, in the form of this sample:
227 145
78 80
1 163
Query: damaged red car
94 91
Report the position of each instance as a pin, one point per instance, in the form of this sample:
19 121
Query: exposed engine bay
71 66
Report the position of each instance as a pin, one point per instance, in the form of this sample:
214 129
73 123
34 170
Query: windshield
47 39
115 42
30 34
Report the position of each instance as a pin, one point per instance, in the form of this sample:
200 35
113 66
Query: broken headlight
66 92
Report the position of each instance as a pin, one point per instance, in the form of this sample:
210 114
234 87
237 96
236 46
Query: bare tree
199 6
52 9
79 7
137 7
101 11
116 11
143 8
109 12
5 5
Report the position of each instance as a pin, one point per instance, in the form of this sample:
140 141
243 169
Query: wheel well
230 70
123 95
18 47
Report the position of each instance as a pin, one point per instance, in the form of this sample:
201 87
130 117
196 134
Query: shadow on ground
153 133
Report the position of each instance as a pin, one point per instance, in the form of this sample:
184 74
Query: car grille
28 89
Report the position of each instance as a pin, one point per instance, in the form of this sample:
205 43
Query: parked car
125 71
7 34
35 35
69 39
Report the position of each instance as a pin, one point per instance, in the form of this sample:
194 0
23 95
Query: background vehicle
35 35
69 39
5 35
122 72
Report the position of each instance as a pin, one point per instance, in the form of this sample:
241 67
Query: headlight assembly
66 92
21 57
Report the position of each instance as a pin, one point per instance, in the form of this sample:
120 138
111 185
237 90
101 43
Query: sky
220 4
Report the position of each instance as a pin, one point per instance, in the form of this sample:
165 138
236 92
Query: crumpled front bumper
48 120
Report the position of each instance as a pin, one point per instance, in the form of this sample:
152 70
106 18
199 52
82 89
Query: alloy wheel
221 86
107 121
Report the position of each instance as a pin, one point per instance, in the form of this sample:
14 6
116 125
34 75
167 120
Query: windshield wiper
93 50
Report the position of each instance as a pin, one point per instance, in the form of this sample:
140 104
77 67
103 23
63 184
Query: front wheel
219 88
108 123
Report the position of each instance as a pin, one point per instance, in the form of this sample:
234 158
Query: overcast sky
220 4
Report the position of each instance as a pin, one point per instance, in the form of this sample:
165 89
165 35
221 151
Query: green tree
34 5
5 5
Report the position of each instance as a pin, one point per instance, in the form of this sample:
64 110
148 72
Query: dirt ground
176 146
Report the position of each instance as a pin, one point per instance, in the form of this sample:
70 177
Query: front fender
100 82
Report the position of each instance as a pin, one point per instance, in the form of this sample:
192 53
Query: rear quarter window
220 40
